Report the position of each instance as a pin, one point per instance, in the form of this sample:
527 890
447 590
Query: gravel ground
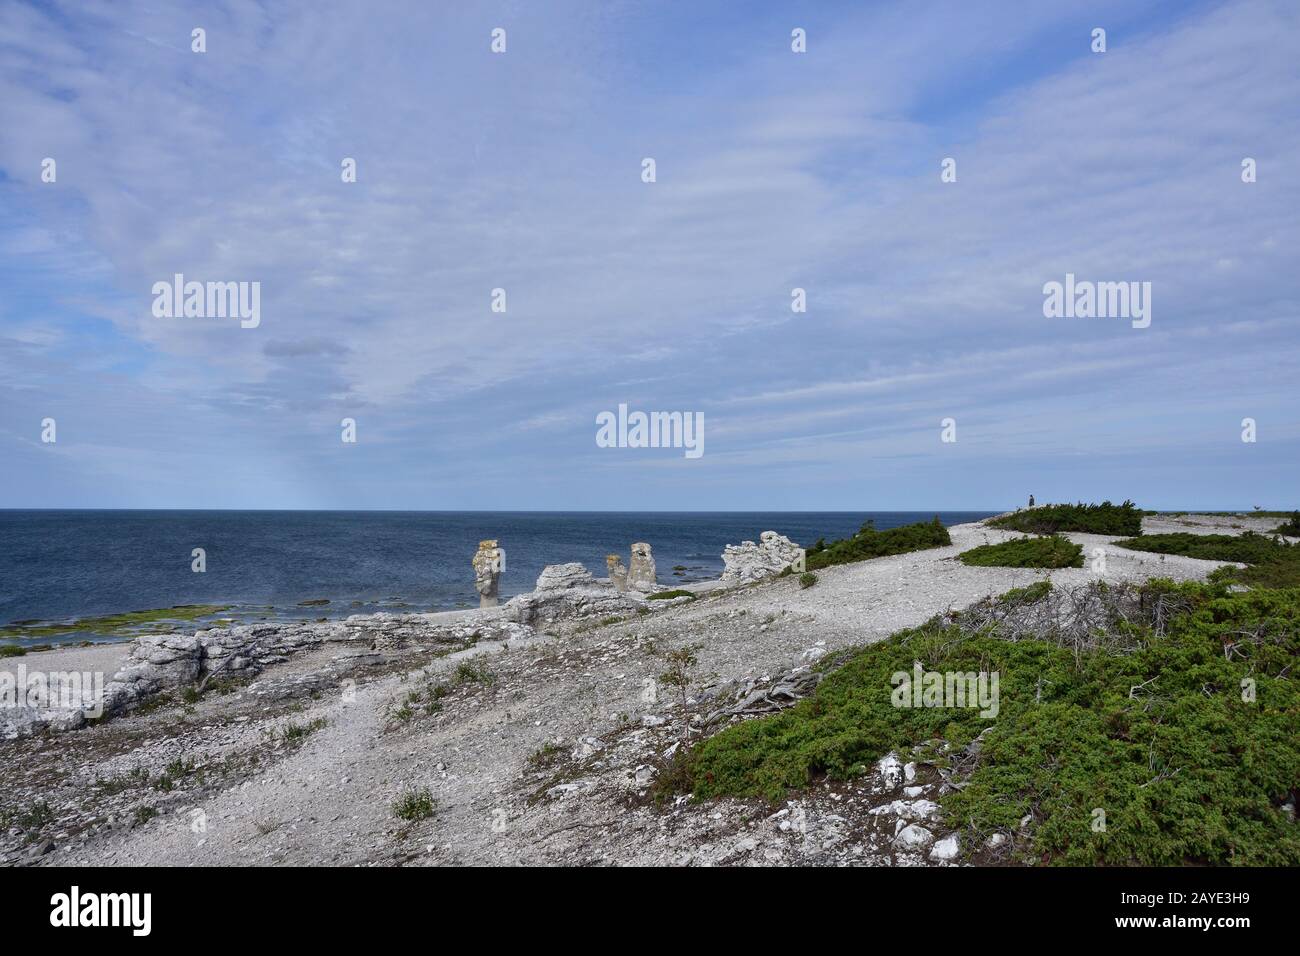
543 752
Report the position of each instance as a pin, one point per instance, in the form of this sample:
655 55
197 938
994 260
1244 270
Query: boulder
748 561
914 838
567 592
157 662
560 576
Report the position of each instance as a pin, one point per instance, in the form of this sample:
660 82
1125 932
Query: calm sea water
63 565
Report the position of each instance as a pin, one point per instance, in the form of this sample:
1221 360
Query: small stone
913 837
946 849
891 771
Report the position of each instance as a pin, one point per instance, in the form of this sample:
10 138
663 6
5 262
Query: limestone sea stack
489 561
641 573
617 571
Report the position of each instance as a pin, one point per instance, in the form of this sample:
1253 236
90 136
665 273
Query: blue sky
775 170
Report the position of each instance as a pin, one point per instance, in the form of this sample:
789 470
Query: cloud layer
522 171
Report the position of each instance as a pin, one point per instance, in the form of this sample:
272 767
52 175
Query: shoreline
72 655
285 567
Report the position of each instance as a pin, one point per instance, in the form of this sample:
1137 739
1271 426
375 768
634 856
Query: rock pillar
489 561
617 572
641 571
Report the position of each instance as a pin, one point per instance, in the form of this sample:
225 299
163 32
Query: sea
69 567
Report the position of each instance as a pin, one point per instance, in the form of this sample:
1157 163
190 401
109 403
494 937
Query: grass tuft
414 805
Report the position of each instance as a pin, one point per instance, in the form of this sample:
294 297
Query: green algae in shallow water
128 624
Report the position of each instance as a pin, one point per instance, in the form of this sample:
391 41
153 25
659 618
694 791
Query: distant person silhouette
1031 501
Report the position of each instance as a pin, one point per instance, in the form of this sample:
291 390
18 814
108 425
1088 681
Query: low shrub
1272 562
1105 518
1154 727
869 543
1290 527
1045 552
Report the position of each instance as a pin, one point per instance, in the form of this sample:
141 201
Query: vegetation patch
1105 518
468 673
546 755
807 579
1272 562
1290 527
295 732
1177 719
669 595
144 814
414 805
1044 552
31 818
870 543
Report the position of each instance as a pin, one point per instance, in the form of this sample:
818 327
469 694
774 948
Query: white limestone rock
946 850
748 561
913 837
568 591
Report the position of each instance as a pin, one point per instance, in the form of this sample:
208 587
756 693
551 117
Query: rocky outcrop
159 663
156 663
567 592
748 561
489 561
641 572
558 577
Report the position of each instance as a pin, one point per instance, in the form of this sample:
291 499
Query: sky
522 170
